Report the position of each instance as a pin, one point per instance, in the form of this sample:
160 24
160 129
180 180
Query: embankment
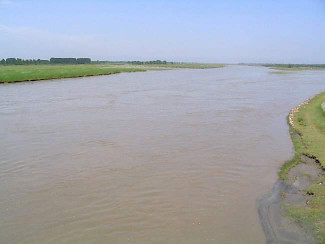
294 211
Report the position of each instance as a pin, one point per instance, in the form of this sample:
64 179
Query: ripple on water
158 157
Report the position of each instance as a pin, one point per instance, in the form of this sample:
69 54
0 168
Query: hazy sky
283 31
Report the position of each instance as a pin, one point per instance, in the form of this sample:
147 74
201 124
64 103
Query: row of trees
18 61
149 62
296 65
70 60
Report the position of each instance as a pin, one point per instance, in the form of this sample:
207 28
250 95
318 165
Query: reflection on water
157 157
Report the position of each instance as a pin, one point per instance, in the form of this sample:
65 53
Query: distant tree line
295 65
70 60
133 62
149 62
18 61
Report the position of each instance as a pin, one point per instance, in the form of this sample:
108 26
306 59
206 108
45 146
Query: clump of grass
306 175
298 145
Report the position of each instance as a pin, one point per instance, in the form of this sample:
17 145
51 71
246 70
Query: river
175 156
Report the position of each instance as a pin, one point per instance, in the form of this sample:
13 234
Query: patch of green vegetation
308 136
298 144
318 199
310 123
310 218
295 67
313 216
17 73
306 175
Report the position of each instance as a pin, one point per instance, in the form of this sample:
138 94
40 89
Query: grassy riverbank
296 67
307 128
18 73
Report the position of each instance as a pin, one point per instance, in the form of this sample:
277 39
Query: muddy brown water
174 156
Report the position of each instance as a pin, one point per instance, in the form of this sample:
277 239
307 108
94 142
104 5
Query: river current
175 156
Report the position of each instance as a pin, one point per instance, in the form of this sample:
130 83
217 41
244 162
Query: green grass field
18 73
308 135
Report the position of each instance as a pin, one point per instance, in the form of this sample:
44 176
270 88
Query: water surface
157 157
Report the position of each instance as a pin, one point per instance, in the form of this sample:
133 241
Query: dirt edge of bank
277 226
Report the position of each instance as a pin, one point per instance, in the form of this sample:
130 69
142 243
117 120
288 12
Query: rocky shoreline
278 228
296 109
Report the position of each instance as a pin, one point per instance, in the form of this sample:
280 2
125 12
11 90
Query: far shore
296 67
23 73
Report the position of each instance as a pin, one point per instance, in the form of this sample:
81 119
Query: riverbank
294 211
20 73
295 67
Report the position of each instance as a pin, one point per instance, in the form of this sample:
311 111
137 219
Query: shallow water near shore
175 156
